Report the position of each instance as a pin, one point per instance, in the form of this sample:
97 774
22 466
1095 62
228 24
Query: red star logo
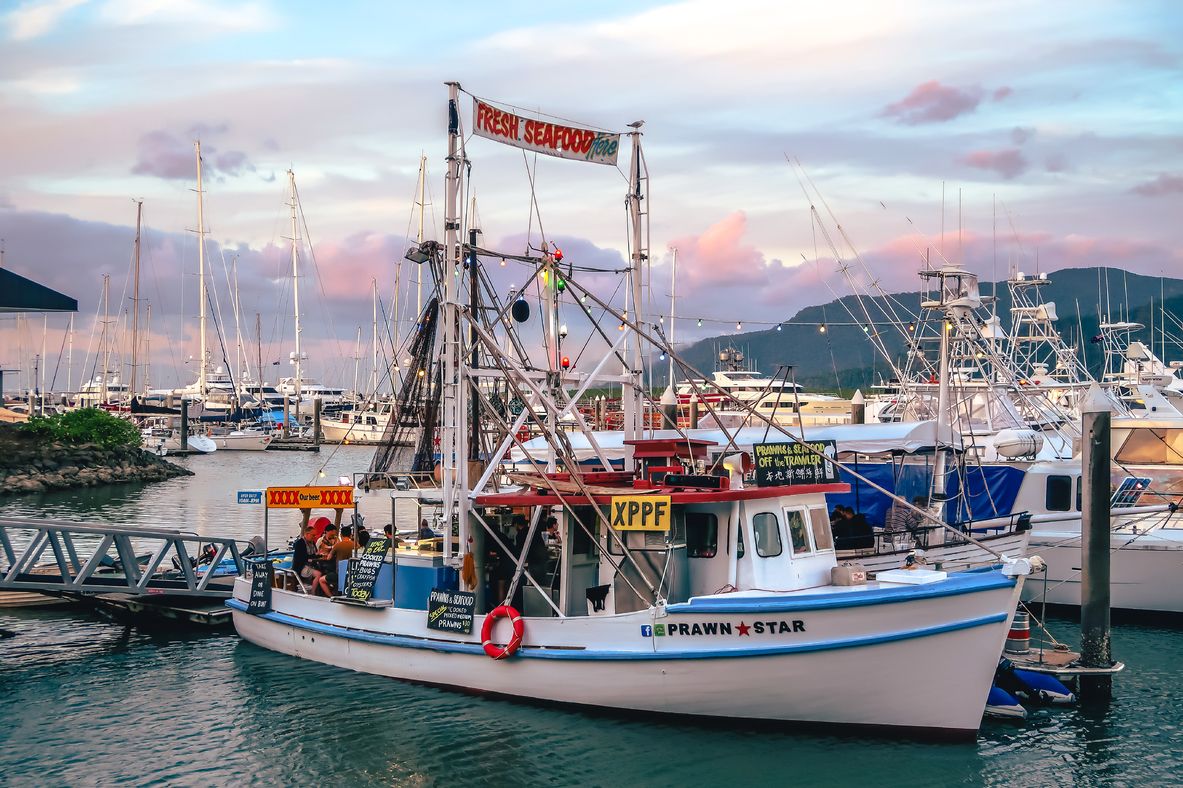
743 628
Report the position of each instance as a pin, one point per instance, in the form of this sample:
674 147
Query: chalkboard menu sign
450 611
262 578
793 463
363 570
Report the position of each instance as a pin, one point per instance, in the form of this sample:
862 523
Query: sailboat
659 588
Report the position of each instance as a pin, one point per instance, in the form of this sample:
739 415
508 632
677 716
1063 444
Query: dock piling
184 424
858 408
1095 644
287 405
316 403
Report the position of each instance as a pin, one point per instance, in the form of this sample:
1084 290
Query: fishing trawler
667 589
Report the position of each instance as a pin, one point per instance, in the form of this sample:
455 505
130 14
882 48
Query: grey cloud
1161 186
166 155
932 102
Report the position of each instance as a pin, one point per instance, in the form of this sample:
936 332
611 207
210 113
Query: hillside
842 359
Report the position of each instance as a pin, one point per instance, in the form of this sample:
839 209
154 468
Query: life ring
491 648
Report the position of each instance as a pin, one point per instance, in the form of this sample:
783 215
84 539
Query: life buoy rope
492 649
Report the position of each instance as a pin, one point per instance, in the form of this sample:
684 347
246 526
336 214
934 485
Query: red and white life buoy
492 649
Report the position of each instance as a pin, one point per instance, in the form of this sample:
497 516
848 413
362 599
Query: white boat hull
850 666
1146 570
951 557
242 442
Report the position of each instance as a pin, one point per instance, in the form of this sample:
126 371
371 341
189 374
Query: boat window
1079 490
581 543
1146 446
819 519
1058 497
739 541
702 535
766 531
798 532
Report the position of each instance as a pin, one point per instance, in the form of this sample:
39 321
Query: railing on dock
85 558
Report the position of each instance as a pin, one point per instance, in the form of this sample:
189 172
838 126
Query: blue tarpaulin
989 491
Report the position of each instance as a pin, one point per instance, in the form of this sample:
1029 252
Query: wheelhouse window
819 520
1058 497
702 535
766 530
798 530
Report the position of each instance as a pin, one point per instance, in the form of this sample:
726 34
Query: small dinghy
1031 686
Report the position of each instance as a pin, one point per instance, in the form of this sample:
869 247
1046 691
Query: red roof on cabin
645 448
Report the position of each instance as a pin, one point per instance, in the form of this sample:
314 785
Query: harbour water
88 702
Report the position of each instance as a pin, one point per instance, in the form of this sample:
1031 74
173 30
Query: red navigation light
558 255
565 363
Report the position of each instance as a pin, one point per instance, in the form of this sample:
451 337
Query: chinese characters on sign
795 463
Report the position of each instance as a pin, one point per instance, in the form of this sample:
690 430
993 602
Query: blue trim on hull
528 652
955 585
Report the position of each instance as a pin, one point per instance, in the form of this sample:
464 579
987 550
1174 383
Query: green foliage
85 425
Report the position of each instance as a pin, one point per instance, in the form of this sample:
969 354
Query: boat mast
259 350
673 308
70 357
104 340
147 345
453 464
374 340
202 361
296 289
240 357
135 306
419 238
632 390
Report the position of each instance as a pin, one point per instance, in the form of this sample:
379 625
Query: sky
1033 134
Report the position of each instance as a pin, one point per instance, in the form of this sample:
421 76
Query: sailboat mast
147 346
259 350
296 289
356 360
135 306
240 356
202 360
70 357
374 340
104 340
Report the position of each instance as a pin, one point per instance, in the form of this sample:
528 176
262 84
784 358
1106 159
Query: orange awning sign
339 497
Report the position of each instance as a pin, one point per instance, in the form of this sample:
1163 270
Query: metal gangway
82 559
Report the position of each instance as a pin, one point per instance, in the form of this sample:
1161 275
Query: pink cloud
932 102
719 257
1008 163
1002 93
1161 186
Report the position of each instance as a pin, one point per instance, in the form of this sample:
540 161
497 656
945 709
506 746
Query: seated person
303 549
324 545
425 531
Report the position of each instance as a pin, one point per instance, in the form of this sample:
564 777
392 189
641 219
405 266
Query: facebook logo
646 631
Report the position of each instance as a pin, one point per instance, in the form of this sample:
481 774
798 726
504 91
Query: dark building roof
18 294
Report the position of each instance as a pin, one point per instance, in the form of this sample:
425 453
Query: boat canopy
908 437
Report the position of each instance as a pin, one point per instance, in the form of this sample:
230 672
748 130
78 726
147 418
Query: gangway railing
91 558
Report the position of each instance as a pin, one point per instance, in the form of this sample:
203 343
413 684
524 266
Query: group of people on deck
852 531
315 560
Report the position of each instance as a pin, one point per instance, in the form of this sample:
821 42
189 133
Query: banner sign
339 497
641 512
451 611
793 463
250 496
363 570
262 579
566 142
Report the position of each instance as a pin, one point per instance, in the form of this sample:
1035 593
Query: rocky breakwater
32 463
